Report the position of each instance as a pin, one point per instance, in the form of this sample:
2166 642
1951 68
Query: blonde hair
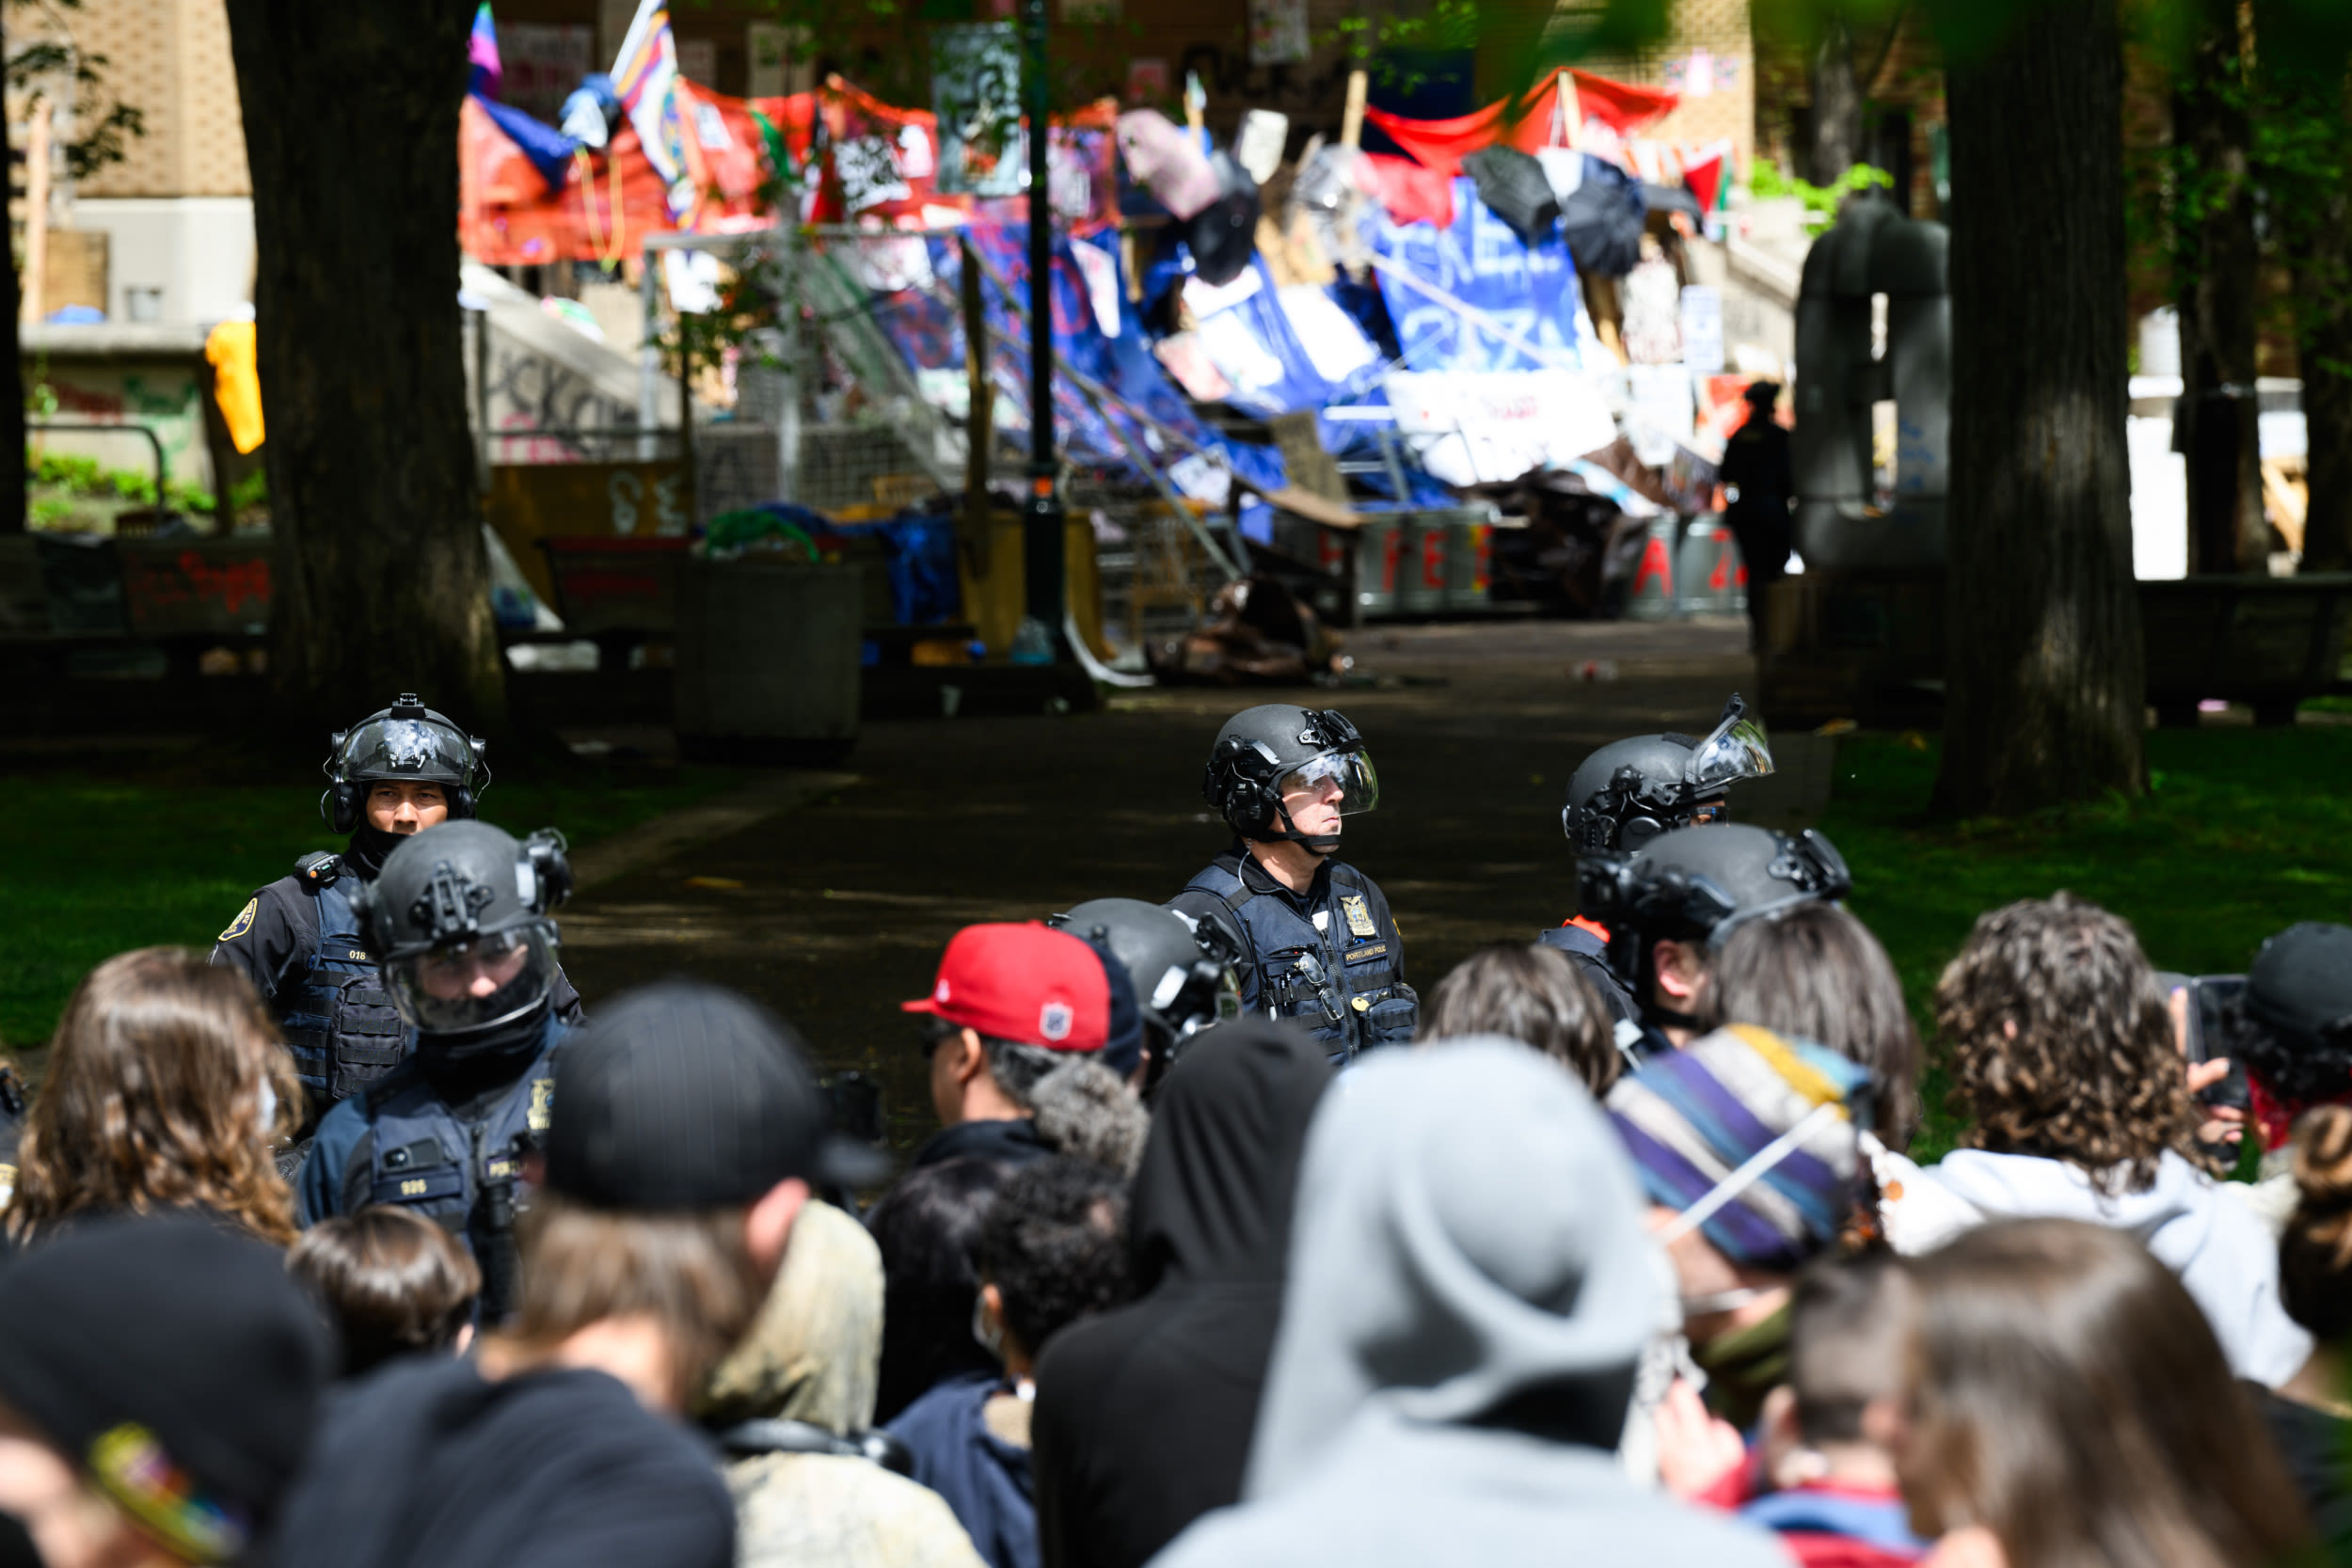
153 1099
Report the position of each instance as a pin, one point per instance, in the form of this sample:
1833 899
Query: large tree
2216 266
382 583
2044 667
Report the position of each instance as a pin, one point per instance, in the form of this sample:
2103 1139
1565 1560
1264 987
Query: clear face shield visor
474 984
1735 749
1346 779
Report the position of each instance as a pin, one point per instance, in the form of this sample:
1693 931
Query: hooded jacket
1470 1289
1144 1414
2210 1239
813 1356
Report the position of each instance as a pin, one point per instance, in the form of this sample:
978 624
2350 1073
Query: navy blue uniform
1330 958
1587 948
399 1142
298 942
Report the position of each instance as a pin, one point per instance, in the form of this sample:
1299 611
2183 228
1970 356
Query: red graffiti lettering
1432 560
1655 563
235 584
1720 578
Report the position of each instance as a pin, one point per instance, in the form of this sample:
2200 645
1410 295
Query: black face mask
462 1068
369 845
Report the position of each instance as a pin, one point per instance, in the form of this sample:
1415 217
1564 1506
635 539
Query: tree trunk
2306 64
382 584
2218 433
1837 127
12 475
2045 695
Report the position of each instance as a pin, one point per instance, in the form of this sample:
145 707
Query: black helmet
406 741
2295 1026
1700 883
1183 968
1263 753
1630 791
458 918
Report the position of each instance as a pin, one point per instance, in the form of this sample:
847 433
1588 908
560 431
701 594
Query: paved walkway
830 897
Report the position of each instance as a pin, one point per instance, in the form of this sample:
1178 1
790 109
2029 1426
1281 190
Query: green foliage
104 122
1821 201
91 866
2242 833
70 478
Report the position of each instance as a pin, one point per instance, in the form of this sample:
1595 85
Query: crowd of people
358 1242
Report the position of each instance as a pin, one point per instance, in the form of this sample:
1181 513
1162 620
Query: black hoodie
1144 1415
426 1464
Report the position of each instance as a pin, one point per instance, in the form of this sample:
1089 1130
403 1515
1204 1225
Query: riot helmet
406 741
2294 1023
1267 754
1183 968
1700 883
1630 791
459 919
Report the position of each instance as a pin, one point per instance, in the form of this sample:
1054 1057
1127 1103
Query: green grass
2244 833
91 866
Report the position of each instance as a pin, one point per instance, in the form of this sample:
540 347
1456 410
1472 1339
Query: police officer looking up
1627 793
461 915
1181 969
393 774
1670 906
1317 943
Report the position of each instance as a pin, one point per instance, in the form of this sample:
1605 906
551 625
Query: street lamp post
1042 510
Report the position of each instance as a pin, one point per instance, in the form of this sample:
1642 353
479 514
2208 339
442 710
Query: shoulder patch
1359 915
244 922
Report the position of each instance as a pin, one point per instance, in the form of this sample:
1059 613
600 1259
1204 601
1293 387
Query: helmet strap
1324 844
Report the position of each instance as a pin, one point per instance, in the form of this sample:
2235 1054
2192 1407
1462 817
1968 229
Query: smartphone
2209 997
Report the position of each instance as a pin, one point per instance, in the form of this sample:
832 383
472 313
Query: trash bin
1469 552
1709 577
1652 596
767 656
1377 542
1424 568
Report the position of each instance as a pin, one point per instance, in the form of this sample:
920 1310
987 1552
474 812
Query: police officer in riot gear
1627 793
460 915
1670 906
1316 940
395 773
1181 967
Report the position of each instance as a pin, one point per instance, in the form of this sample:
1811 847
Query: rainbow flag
645 74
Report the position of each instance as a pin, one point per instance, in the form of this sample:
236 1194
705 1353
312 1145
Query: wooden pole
37 212
1571 110
1352 122
979 418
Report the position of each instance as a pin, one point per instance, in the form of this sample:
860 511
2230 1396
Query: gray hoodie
1470 1289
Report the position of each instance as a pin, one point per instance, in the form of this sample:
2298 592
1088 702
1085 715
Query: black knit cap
2301 983
176 1363
686 1096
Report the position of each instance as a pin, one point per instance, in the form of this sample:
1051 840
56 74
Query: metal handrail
102 427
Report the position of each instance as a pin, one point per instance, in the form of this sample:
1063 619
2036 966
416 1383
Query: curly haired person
2064 1061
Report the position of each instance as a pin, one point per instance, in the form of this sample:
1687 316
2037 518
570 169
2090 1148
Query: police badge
1359 916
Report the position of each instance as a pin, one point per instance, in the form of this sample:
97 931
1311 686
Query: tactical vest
430 1161
339 1020
1341 983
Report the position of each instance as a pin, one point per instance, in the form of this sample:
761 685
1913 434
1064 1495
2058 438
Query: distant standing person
1756 470
396 772
1318 944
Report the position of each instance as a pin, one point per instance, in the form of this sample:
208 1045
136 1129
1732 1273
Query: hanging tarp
1528 293
1442 144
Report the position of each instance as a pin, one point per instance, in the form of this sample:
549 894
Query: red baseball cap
1028 984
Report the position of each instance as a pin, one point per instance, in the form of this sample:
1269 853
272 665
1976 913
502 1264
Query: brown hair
2066 1394
396 1283
1848 1325
1816 972
2092 1076
153 1099
1532 994
692 1272
2315 1251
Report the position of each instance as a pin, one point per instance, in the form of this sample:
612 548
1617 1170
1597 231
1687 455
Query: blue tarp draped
1479 261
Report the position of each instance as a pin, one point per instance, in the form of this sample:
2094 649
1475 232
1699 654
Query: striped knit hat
1740 1098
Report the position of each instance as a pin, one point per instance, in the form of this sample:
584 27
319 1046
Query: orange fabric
236 383
1590 928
